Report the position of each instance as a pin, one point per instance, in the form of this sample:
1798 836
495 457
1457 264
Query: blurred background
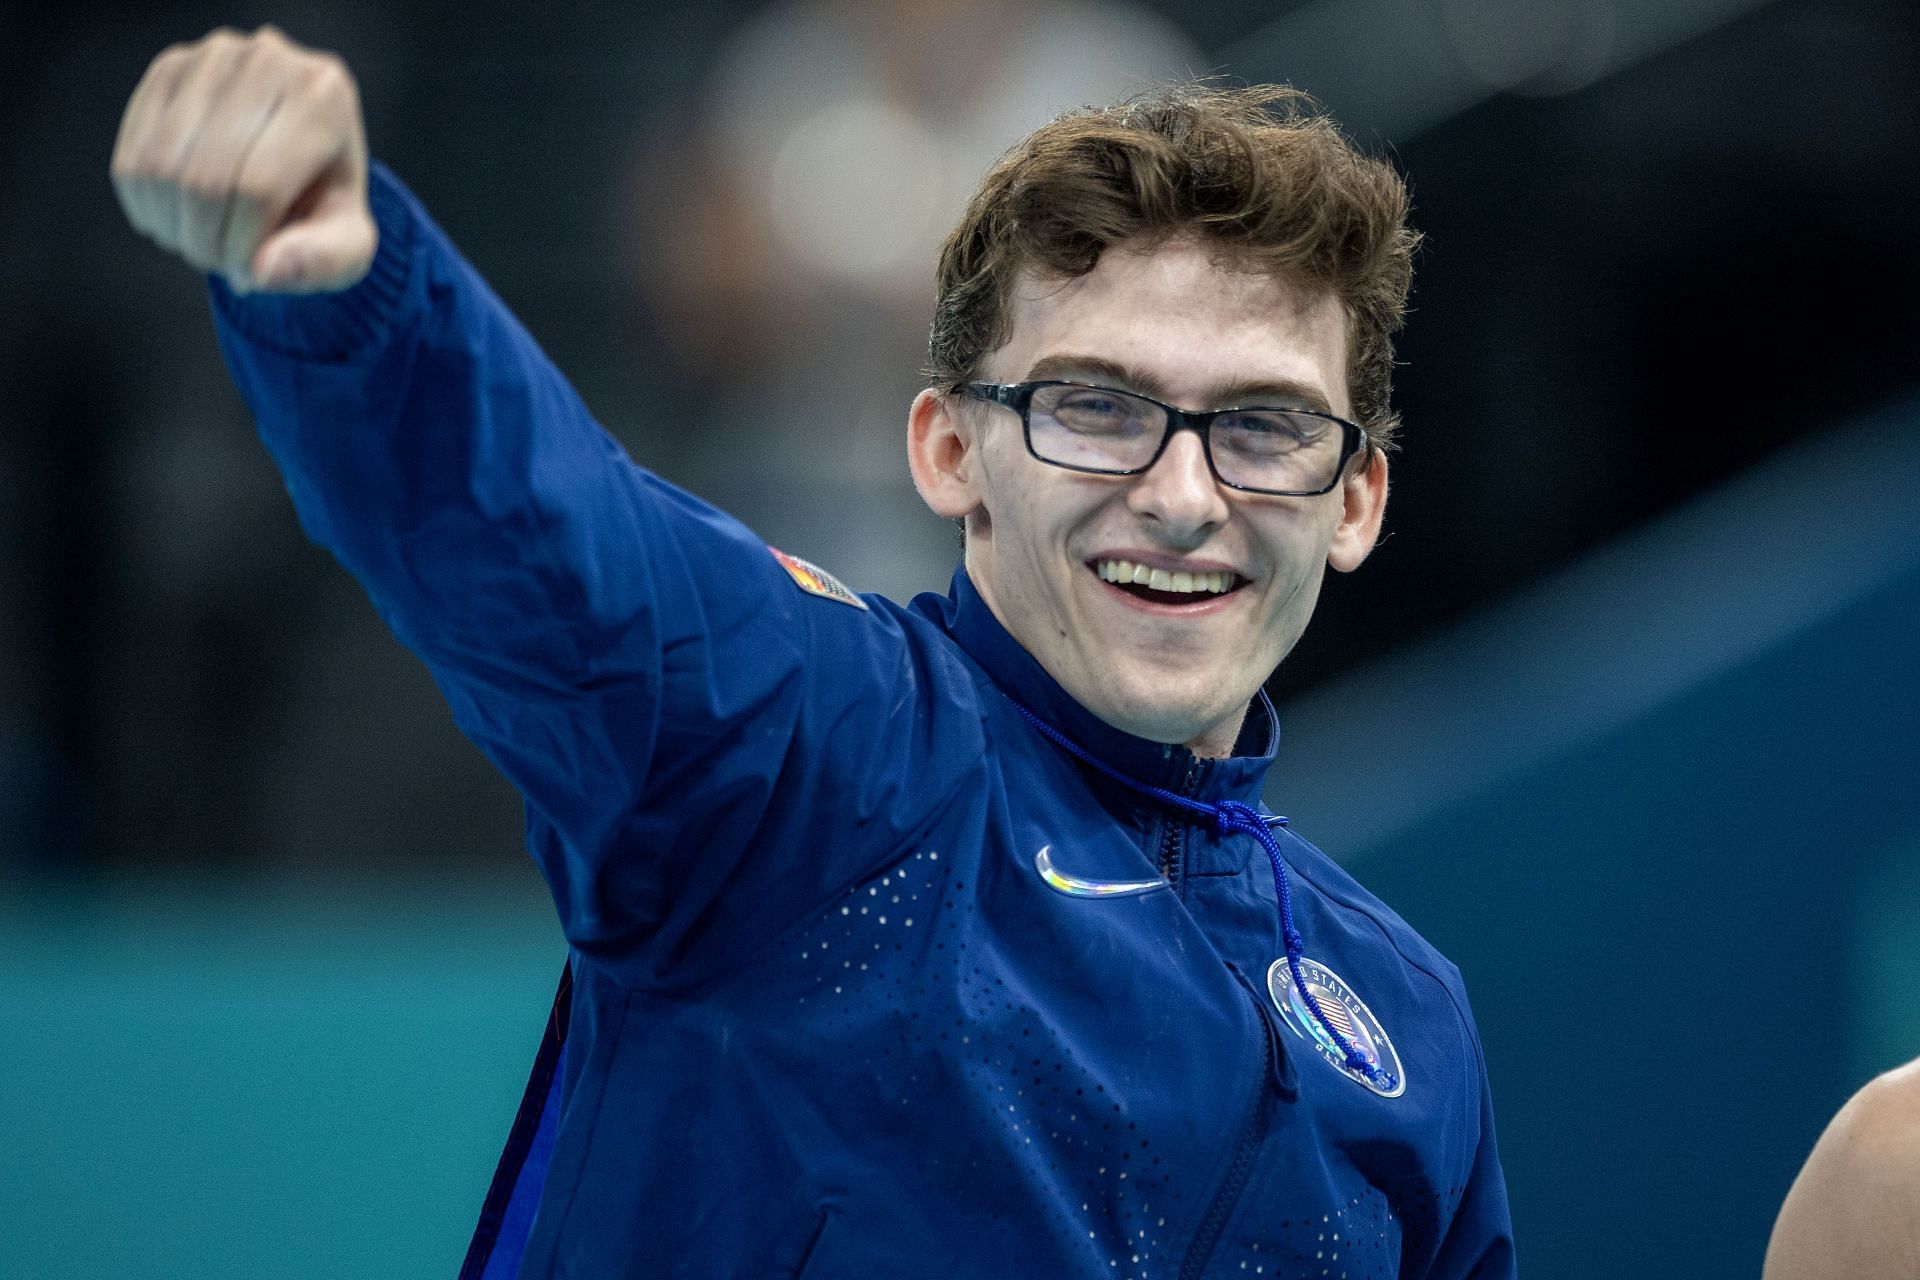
1621 714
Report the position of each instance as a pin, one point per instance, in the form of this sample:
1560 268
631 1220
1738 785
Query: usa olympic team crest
1348 1013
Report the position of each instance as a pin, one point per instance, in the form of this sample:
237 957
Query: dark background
1628 293
1664 245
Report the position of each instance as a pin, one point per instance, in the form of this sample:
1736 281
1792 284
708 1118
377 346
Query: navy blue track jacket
828 1017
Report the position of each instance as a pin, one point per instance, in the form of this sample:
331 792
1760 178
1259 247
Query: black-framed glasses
1287 452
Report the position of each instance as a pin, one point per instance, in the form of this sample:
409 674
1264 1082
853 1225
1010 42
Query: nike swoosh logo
1075 887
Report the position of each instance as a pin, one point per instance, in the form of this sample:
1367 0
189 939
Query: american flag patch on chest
814 580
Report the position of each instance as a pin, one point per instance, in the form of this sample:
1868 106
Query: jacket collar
968 619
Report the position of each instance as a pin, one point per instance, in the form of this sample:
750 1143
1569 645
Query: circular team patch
1348 1013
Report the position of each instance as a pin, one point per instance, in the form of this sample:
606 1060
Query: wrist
335 326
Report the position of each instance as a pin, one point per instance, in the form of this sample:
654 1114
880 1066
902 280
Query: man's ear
1363 497
941 452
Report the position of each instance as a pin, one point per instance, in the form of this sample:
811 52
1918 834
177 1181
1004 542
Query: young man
945 940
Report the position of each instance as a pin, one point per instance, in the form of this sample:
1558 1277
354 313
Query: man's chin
1172 716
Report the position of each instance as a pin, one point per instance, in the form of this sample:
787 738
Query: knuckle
330 74
264 45
167 64
218 43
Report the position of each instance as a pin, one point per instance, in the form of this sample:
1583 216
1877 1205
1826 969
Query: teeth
1125 571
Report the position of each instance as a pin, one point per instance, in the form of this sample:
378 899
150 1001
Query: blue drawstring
1231 816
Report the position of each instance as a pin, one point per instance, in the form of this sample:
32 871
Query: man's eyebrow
1279 393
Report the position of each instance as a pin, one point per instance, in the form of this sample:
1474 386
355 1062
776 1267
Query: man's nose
1179 492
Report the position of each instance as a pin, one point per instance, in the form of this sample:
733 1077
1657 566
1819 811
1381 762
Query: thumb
327 251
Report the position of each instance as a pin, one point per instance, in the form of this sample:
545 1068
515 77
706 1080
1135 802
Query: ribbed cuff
334 326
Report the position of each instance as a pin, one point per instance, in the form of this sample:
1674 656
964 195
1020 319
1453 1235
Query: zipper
1227 1197
1173 842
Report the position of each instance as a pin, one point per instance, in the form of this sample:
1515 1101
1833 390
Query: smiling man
945 940
1155 573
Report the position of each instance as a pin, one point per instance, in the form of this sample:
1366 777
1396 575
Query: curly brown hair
1260 171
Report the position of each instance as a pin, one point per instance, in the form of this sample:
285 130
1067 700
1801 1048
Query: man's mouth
1167 586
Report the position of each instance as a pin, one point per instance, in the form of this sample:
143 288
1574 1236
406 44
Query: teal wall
1687 941
1884 957
207 1083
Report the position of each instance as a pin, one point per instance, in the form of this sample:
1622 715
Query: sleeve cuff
334 326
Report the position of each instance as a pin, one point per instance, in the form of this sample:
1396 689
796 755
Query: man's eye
1091 411
1094 406
1272 429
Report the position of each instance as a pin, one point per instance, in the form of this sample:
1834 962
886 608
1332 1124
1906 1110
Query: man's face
1174 324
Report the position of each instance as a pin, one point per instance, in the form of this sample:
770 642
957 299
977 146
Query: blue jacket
832 1012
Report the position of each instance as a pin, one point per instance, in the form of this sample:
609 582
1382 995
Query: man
945 940
1854 1211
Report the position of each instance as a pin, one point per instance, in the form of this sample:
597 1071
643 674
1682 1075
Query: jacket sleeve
706 749
1479 1240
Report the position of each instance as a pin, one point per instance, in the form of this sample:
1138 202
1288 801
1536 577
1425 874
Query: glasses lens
1276 450
1094 428
1099 429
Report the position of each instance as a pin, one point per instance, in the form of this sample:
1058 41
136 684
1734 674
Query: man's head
1209 248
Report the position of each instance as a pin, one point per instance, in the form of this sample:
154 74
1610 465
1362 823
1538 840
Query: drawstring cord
1232 816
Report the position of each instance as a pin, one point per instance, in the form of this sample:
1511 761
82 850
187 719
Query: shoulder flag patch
816 581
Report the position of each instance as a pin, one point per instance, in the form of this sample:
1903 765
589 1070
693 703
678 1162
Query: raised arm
639 664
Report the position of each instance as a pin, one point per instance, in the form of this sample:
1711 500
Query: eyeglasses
1287 452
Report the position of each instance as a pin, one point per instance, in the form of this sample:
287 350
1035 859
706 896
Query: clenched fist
246 155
